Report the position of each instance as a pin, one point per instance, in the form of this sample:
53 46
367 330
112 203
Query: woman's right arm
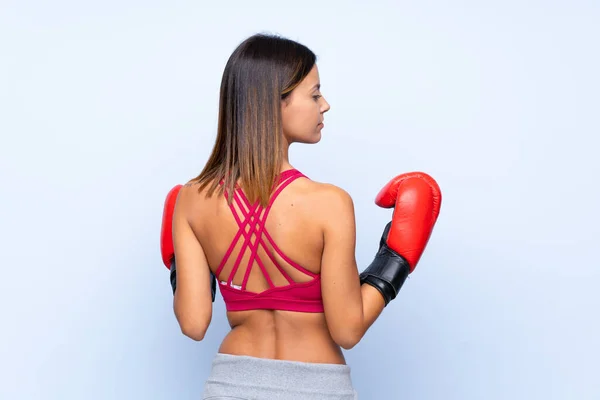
350 308
192 302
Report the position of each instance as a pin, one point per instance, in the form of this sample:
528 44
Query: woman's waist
306 345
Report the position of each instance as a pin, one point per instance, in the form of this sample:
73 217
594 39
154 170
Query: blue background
104 106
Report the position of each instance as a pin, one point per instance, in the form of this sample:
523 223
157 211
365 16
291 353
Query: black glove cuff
387 273
213 286
173 276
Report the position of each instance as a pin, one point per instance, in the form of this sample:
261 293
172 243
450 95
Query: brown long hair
261 72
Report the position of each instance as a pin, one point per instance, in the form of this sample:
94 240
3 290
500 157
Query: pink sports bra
293 296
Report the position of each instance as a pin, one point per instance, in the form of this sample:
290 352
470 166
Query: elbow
348 344
194 328
193 323
194 331
347 339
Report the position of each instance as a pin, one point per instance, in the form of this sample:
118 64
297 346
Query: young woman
281 245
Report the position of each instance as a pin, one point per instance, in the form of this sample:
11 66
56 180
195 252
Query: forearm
372 306
380 283
191 312
361 309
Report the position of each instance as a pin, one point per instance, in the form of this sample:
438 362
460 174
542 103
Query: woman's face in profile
303 111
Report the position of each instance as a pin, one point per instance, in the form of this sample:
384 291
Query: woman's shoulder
191 187
191 193
329 196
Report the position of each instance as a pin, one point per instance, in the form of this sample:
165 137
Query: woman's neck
285 162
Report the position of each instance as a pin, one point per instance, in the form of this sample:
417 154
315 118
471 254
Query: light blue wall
105 106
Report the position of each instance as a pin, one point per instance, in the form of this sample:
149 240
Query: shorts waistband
295 375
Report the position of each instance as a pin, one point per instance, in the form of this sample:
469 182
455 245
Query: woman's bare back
294 224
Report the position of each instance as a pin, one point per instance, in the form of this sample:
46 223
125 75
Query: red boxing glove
166 231
416 199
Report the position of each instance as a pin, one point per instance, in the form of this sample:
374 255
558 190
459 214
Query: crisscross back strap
255 218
